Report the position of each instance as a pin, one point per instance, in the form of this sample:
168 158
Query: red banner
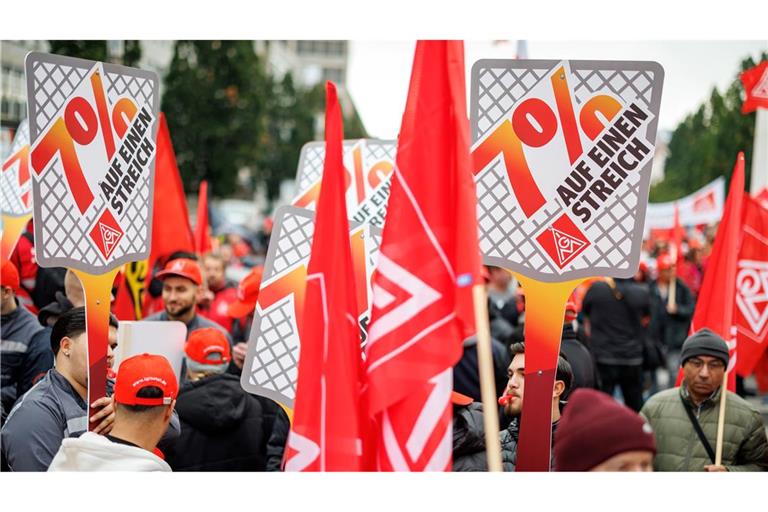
751 313
755 81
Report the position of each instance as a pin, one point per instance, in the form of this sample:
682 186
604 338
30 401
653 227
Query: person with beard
512 401
182 281
223 428
221 292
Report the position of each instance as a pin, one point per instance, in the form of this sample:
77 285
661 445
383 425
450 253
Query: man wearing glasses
685 418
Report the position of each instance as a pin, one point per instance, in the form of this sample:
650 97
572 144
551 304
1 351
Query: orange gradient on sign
122 115
504 140
293 283
58 140
13 227
379 172
98 294
607 106
567 117
357 246
544 314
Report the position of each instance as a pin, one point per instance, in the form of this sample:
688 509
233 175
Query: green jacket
745 446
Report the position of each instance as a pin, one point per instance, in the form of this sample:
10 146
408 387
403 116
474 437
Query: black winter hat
704 342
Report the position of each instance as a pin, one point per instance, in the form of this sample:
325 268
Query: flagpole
721 421
487 387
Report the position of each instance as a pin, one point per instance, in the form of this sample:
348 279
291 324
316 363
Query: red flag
751 314
326 432
202 240
755 81
715 306
428 262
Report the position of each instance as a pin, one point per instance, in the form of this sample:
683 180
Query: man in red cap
670 321
221 292
596 433
223 427
20 359
241 310
145 395
182 281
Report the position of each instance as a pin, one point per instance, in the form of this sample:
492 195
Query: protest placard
369 164
562 154
92 130
273 346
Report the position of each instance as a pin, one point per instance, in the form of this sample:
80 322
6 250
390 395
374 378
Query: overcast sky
379 72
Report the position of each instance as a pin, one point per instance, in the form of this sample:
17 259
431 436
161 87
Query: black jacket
580 359
466 375
468 438
615 323
277 441
509 439
21 360
671 330
223 428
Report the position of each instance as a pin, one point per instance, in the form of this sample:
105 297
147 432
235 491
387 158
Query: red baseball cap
182 267
141 371
460 399
664 261
10 276
203 343
247 294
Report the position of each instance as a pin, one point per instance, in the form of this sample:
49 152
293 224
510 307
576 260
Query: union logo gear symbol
563 241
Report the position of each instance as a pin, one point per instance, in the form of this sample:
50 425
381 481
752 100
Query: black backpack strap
697 428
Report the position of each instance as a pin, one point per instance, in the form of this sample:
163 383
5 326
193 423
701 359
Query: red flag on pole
326 434
755 81
751 315
202 240
428 261
715 306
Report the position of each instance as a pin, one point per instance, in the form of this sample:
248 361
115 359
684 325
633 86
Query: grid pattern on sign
375 151
275 359
292 244
68 236
311 165
10 190
502 233
135 219
499 90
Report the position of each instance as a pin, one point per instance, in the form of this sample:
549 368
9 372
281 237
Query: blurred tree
216 95
96 50
705 144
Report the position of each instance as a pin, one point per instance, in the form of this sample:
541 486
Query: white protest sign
271 363
562 159
93 128
165 339
705 206
368 163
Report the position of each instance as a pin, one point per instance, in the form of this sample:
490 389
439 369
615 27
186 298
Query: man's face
78 355
627 461
703 375
665 275
179 295
500 278
214 272
515 385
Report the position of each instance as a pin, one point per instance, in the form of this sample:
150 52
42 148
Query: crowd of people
615 406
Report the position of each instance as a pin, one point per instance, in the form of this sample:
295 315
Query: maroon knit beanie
594 428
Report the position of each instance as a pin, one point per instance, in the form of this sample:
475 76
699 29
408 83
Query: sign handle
672 297
12 229
544 314
721 421
487 381
98 294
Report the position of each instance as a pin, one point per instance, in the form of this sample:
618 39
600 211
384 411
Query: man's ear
559 389
66 345
169 412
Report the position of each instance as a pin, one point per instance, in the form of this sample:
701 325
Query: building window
334 75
